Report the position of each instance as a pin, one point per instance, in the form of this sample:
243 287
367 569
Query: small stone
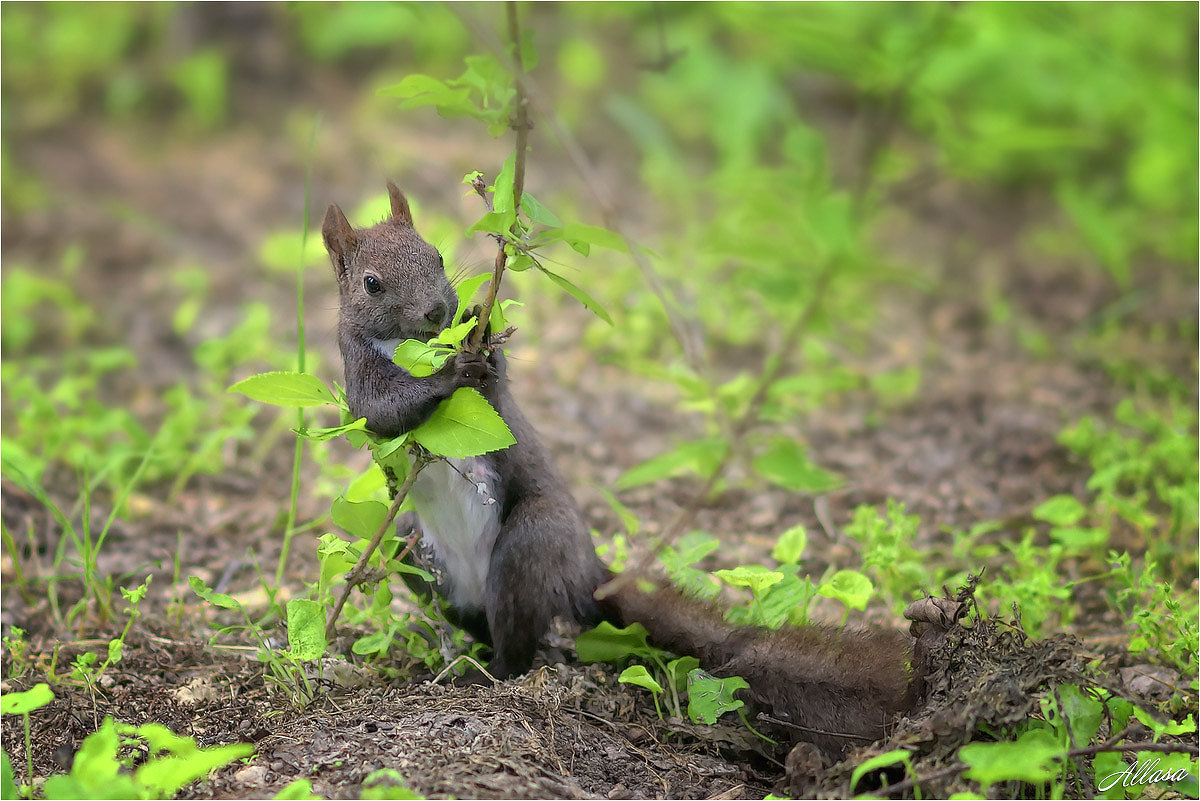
1150 681
251 774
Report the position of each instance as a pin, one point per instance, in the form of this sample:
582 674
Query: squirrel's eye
441 262
372 284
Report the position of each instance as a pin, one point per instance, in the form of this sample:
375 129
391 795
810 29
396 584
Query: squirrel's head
392 282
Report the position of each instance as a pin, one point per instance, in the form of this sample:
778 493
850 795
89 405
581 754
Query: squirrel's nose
437 315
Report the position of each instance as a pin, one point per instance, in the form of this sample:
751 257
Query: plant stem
28 757
521 123
354 577
289 529
689 341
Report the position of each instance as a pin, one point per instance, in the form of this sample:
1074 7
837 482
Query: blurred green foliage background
771 159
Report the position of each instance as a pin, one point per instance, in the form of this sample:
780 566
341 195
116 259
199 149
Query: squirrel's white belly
460 518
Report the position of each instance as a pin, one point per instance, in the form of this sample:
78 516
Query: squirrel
511 540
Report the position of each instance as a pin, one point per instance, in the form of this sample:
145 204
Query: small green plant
16 646
288 668
777 597
83 669
22 704
887 551
101 770
1145 476
386 784
1162 622
607 643
1050 750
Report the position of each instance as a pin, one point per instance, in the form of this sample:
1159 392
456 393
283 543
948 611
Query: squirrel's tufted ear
400 211
340 240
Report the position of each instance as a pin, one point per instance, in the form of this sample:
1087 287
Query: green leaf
756 577
386 784
298 790
786 464
886 759
579 295
166 776
218 599
94 769
306 629
115 647
1083 711
791 546
1031 758
1061 510
848 586
786 601
424 90
594 235
465 424
495 222
710 697
466 290
414 85
678 670
22 703
366 485
698 456
502 202
8 780
538 213
455 334
520 262
1171 728
639 676
159 738
607 643
396 566
392 454
285 389
421 359
322 434
362 519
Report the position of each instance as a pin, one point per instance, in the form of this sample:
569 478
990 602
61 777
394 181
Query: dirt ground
977 443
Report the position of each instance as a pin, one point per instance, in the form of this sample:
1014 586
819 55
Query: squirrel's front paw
469 370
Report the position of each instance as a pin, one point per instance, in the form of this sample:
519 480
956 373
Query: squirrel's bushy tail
836 688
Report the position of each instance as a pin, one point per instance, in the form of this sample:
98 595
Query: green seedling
99 771
22 704
710 697
637 675
17 647
387 785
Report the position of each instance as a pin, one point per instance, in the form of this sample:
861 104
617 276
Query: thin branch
535 98
514 36
521 123
464 658
356 574
1159 748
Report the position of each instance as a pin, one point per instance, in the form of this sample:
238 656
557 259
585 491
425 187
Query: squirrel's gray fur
541 564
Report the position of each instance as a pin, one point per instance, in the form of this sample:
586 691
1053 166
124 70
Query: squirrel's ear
340 239
400 211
